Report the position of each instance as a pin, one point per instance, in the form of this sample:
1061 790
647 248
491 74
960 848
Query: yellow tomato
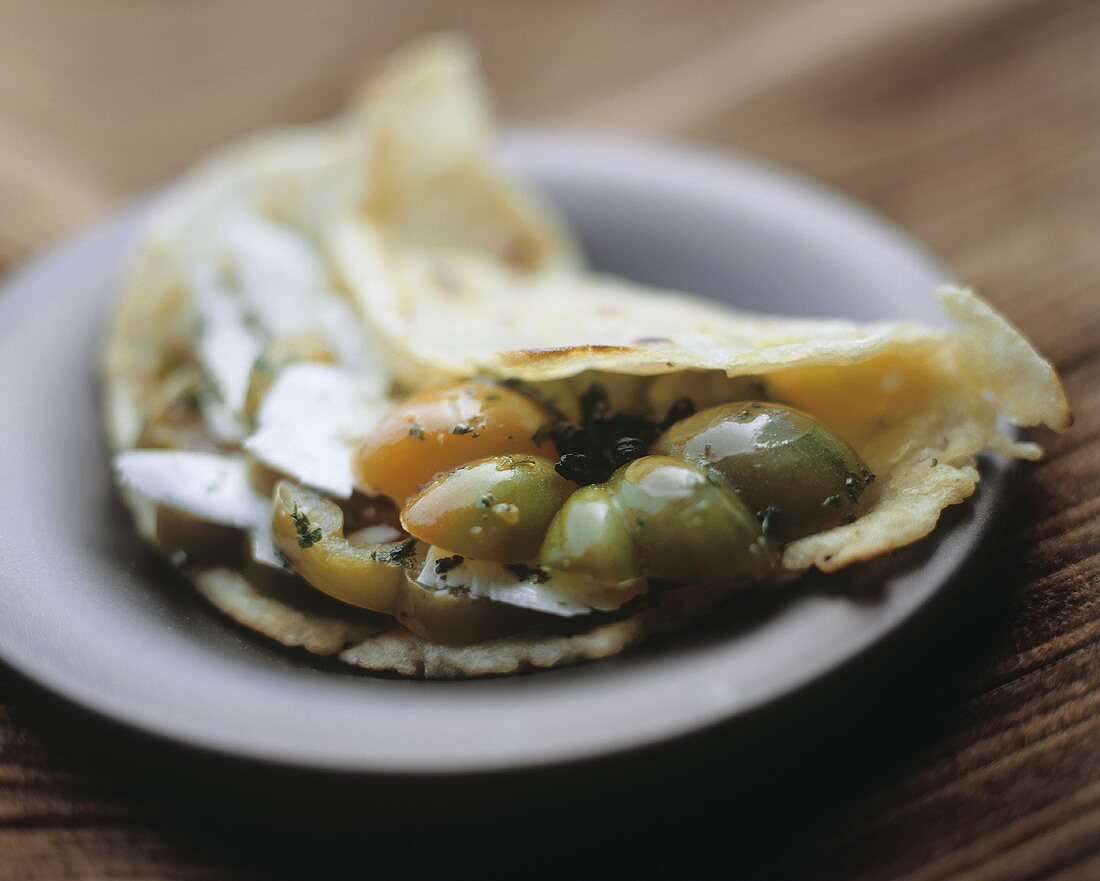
438 430
493 509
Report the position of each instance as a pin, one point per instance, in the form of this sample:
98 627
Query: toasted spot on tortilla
552 354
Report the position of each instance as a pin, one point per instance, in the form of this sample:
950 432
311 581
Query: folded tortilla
388 242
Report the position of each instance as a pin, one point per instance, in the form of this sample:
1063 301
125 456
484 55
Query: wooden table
969 749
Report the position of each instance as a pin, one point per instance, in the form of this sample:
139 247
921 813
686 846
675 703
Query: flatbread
396 650
454 271
918 403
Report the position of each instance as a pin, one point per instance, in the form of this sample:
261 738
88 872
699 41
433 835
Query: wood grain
970 749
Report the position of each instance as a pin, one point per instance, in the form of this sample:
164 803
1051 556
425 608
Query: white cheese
284 284
227 346
560 594
208 486
378 534
261 542
311 421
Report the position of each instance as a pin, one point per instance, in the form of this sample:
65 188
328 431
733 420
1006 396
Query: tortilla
293 622
917 403
412 156
389 240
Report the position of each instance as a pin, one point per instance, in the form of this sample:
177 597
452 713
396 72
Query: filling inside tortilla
487 507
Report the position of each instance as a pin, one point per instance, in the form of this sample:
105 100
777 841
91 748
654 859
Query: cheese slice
558 593
312 420
208 486
227 346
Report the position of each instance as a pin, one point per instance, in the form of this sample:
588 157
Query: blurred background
941 113
974 124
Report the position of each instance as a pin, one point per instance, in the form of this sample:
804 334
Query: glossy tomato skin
438 430
783 463
590 536
688 524
662 517
308 530
495 509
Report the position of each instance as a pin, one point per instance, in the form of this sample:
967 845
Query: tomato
440 429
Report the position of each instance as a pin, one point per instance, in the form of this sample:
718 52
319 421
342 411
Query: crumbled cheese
208 486
311 421
227 346
556 595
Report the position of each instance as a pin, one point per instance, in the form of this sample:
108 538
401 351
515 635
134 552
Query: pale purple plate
85 613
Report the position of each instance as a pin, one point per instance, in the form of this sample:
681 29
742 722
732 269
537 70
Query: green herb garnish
400 551
191 398
308 534
214 391
603 440
767 518
416 431
855 484
443 565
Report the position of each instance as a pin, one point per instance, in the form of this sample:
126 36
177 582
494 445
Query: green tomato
590 535
308 530
687 524
494 509
200 542
799 477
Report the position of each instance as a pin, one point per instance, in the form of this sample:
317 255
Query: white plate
87 613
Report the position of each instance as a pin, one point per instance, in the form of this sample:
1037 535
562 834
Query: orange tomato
440 429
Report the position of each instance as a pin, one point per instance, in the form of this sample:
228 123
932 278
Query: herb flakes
308 534
768 518
443 565
605 441
528 573
397 553
855 484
